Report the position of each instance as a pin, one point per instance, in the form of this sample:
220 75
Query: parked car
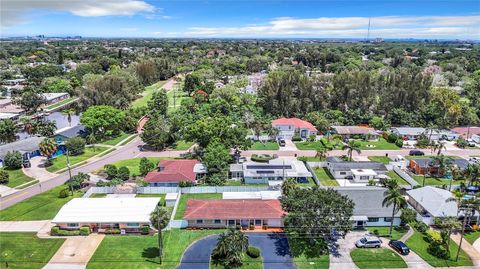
281 142
471 143
242 159
416 153
369 242
399 246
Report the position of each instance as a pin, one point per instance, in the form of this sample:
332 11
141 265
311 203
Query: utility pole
69 171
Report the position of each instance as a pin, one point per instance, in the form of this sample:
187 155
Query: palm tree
230 247
392 196
456 173
440 146
351 147
47 147
449 223
27 125
471 173
69 112
441 162
159 219
289 185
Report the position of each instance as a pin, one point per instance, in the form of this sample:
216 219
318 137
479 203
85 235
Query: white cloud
387 26
13 11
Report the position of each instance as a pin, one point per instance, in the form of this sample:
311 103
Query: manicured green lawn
269 145
419 244
377 258
161 195
134 164
61 103
43 206
392 174
307 256
380 144
472 236
248 263
182 145
335 144
326 179
432 181
60 162
184 198
147 94
26 250
380 159
115 140
16 177
397 232
131 252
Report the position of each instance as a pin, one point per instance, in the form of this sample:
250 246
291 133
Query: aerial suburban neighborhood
140 134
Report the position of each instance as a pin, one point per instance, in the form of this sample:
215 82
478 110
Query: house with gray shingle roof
408 133
28 147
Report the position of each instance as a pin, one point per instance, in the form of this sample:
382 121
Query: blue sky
244 18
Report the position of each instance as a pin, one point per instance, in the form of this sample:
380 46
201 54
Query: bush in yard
421 227
183 184
111 171
253 252
261 158
84 230
123 173
392 138
437 250
4 177
145 166
13 160
296 138
408 215
145 229
63 193
399 143
112 231
56 231
75 145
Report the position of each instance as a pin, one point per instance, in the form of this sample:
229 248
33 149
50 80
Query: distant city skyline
421 19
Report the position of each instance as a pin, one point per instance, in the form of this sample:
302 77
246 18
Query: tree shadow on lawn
150 254
309 248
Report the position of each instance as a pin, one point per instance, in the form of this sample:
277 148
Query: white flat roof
171 196
363 172
263 195
107 210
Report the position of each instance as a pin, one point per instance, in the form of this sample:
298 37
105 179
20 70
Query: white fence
207 189
154 190
92 190
405 176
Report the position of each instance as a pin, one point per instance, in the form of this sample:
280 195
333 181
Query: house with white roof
359 172
126 214
408 133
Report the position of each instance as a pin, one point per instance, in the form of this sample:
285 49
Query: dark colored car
281 142
399 246
416 153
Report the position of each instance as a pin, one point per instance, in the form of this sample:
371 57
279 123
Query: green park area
147 94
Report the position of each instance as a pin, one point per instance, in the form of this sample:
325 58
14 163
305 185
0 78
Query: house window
199 221
133 225
258 222
364 177
231 222
373 219
343 173
217 221
72 225
387 219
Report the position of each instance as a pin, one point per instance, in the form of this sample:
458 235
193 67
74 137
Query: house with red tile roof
232 213
172 172
467 132
288 127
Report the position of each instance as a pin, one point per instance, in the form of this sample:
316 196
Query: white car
369 242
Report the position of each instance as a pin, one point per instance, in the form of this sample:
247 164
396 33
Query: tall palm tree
69 112
441 162
351 147
47 147
471 173
456 173
392 196
230 247
159 219
440 146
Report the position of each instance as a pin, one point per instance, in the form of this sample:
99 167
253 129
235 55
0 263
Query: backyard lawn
60 162
26 250
472 236
380 144
306 256
184 198
432 181
310 183
326 179
61 103
182 145
161 195
134 164
142 251
43 206
115 140
419 244
317 145
147 94
380 159
16 177
269 145
397 232
392 174
377 258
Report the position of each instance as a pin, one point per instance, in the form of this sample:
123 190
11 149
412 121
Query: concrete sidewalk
23 226
469 249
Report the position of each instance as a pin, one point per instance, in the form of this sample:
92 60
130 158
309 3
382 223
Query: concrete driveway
75 252
23 226
273 247
340 250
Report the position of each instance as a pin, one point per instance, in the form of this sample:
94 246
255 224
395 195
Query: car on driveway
282 142
416 153
369 242
399 246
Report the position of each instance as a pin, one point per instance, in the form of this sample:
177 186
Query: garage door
275 223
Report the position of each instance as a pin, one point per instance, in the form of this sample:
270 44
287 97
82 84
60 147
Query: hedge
253 252
56 231
260 158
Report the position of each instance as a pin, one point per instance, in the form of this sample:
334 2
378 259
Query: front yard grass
377 258
471 237
380 144
115 140
317 145
380 159
183 145
269 145
392 174
324 176
248 263
16 177
418 243
43 206
26 250
129 252
434 181
60 162
397 232
134 164
184 198
307 256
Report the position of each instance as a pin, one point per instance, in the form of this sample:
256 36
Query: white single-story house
100 214
360 172
348 132
408 133
288 127
368 210
273 172
54 97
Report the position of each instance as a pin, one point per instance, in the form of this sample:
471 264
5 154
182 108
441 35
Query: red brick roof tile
233 209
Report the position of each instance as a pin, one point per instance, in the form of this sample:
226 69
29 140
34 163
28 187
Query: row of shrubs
261 158
57 231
